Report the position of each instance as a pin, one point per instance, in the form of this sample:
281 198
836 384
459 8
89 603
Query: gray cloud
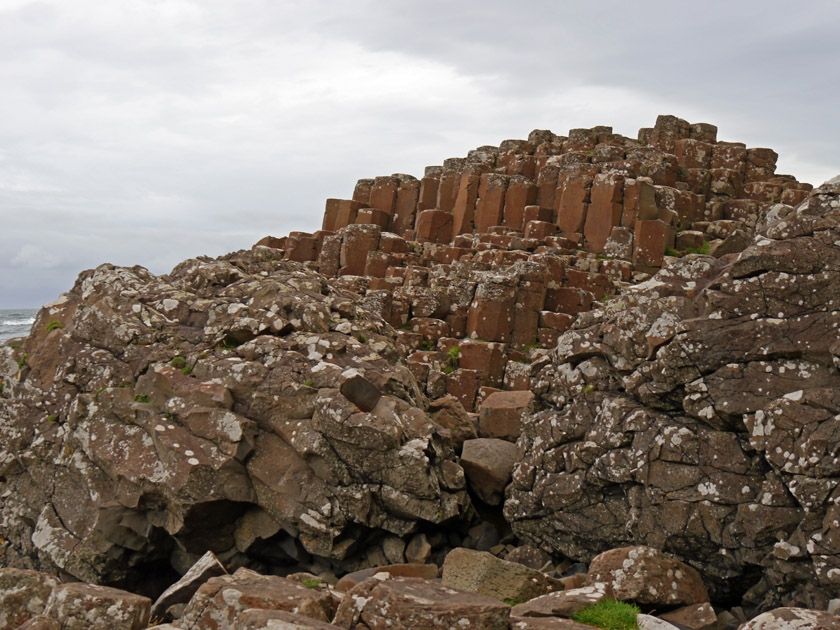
145 132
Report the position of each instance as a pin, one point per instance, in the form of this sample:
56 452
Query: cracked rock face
698 414
147 419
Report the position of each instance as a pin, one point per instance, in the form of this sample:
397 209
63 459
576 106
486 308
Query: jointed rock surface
582 343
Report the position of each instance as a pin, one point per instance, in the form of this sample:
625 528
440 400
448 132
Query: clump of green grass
53 325
670 251
362 338
309 383
142 398
311 583
587 388
703 249
179 362
22 361
609 615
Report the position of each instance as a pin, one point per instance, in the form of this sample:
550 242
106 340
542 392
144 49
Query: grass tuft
53 325
609 615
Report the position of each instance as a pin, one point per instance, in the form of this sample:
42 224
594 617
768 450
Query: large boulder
698 414
385 603
148 419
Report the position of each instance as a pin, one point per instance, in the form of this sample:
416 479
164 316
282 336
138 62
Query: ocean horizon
16 322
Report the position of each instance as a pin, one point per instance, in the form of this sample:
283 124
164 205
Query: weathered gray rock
649 622
564 603
208 566
41 622
545 623
220 600
488 463
201 410
421 571
385 603
696 414
483 573
788 617
79 606
23 595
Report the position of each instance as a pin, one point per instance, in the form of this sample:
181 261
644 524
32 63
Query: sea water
16 322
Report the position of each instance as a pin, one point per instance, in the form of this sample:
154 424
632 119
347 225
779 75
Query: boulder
41 622
649 622
789 617
500 414
545 623
79 606
647 576
219 601
385 603
483 573
23 595
487 463
421 571
564 603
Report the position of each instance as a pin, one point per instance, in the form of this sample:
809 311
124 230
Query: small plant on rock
142 398
53 325
22 361
315 583
454 355
670 251
609 615
179 362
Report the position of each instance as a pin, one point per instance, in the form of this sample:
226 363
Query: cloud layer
145 132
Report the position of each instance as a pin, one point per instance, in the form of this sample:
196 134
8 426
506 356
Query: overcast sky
149 131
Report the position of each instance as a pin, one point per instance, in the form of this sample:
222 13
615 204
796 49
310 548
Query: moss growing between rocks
609 614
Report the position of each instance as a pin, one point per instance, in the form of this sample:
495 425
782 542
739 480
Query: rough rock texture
218 602
208 566
697 413
277 620
385 603
481 572
170 415
647 576
23 594
79 606
788 618
564 603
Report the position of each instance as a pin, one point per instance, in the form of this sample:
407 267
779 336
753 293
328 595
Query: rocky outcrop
622 342
697 413
148 419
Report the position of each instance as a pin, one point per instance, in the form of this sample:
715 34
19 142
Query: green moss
52 417
362 338
186 370
610 615
53 325
311 583
587 388
448 369
425 345
142 398
513 602
309 383
22 361
670 251
179 362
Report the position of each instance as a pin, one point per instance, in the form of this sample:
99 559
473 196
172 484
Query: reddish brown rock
361 192
373 216
491 313
463 212
500 415
409 604
419 571
650 240
357 242
647 576
208 566
490 205
571 210
696 616
220 600
383 194
434 226
521 193
346 213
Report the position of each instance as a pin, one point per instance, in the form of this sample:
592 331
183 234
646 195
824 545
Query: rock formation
577 343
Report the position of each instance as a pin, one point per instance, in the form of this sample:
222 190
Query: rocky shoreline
548 350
